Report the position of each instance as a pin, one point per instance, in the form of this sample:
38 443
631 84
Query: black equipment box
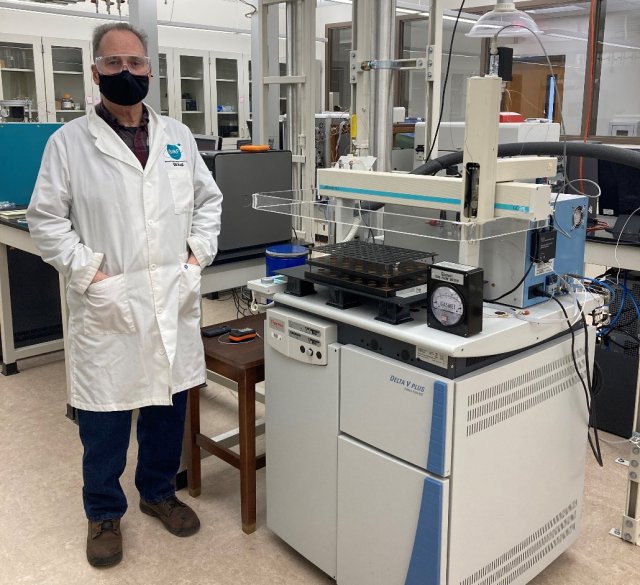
245 231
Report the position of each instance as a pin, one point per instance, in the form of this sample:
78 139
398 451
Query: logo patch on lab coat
174 151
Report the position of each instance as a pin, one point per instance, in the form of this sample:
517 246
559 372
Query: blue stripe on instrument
424 566
392 194
510 207
414 197
438 439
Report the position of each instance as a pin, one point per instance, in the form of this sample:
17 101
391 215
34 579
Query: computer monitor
207 143
620 186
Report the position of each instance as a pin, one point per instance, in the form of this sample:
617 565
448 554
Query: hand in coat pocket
107 310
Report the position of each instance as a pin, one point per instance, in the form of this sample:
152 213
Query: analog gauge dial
447 305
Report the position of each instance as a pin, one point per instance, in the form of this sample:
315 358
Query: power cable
446 81
587 386
254 9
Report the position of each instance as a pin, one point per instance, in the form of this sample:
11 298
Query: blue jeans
105 438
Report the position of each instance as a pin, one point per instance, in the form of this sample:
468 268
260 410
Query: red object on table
511 117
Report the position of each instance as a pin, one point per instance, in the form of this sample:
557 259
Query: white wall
218 13
227 13
331 14
81 27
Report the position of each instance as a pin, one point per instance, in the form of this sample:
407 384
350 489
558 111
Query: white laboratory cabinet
228 96
206 90
193 90
22 72
386 468
54 73
67 69
210 92
166 75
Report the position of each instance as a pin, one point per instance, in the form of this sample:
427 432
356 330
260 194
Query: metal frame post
300 82
265 62
383 83
143 14
433 76
360 88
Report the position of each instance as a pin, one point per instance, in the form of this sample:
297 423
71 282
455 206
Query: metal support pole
300 83
383 82
307 46
264 63
434 75
143 14
373 39
300 18
360 86
293 91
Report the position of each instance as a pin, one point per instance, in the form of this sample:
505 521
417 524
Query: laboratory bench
32 306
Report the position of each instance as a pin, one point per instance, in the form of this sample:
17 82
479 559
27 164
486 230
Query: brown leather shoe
176 516
104 543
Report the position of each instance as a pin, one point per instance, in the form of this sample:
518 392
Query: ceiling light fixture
504 15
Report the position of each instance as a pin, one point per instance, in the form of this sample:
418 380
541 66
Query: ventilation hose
612 154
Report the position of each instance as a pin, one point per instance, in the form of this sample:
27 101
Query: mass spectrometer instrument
417 434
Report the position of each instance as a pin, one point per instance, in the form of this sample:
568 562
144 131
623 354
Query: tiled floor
43 529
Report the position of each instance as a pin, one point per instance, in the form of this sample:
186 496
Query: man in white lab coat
125 208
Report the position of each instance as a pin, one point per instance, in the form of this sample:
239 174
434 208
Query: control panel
298 336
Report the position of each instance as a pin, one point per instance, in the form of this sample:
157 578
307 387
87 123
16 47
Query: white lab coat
134 338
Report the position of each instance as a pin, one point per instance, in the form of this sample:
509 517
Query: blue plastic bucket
285 256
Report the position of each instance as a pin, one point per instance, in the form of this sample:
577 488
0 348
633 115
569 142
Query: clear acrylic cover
412 221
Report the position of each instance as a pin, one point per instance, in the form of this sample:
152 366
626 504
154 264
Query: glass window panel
465 63
16 56
68 82
227 69
164 85
412 83
619 84
339 50
565 40
162 64
67 59
17 74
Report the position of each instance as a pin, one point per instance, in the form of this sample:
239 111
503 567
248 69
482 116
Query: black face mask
124 88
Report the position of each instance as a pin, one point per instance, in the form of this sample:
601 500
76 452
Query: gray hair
103 29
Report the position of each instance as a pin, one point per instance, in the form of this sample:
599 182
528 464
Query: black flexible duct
621 156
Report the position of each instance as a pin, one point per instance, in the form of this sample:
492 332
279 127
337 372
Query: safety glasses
114 64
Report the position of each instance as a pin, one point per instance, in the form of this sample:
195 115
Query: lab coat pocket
190 277
107 310
181 189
